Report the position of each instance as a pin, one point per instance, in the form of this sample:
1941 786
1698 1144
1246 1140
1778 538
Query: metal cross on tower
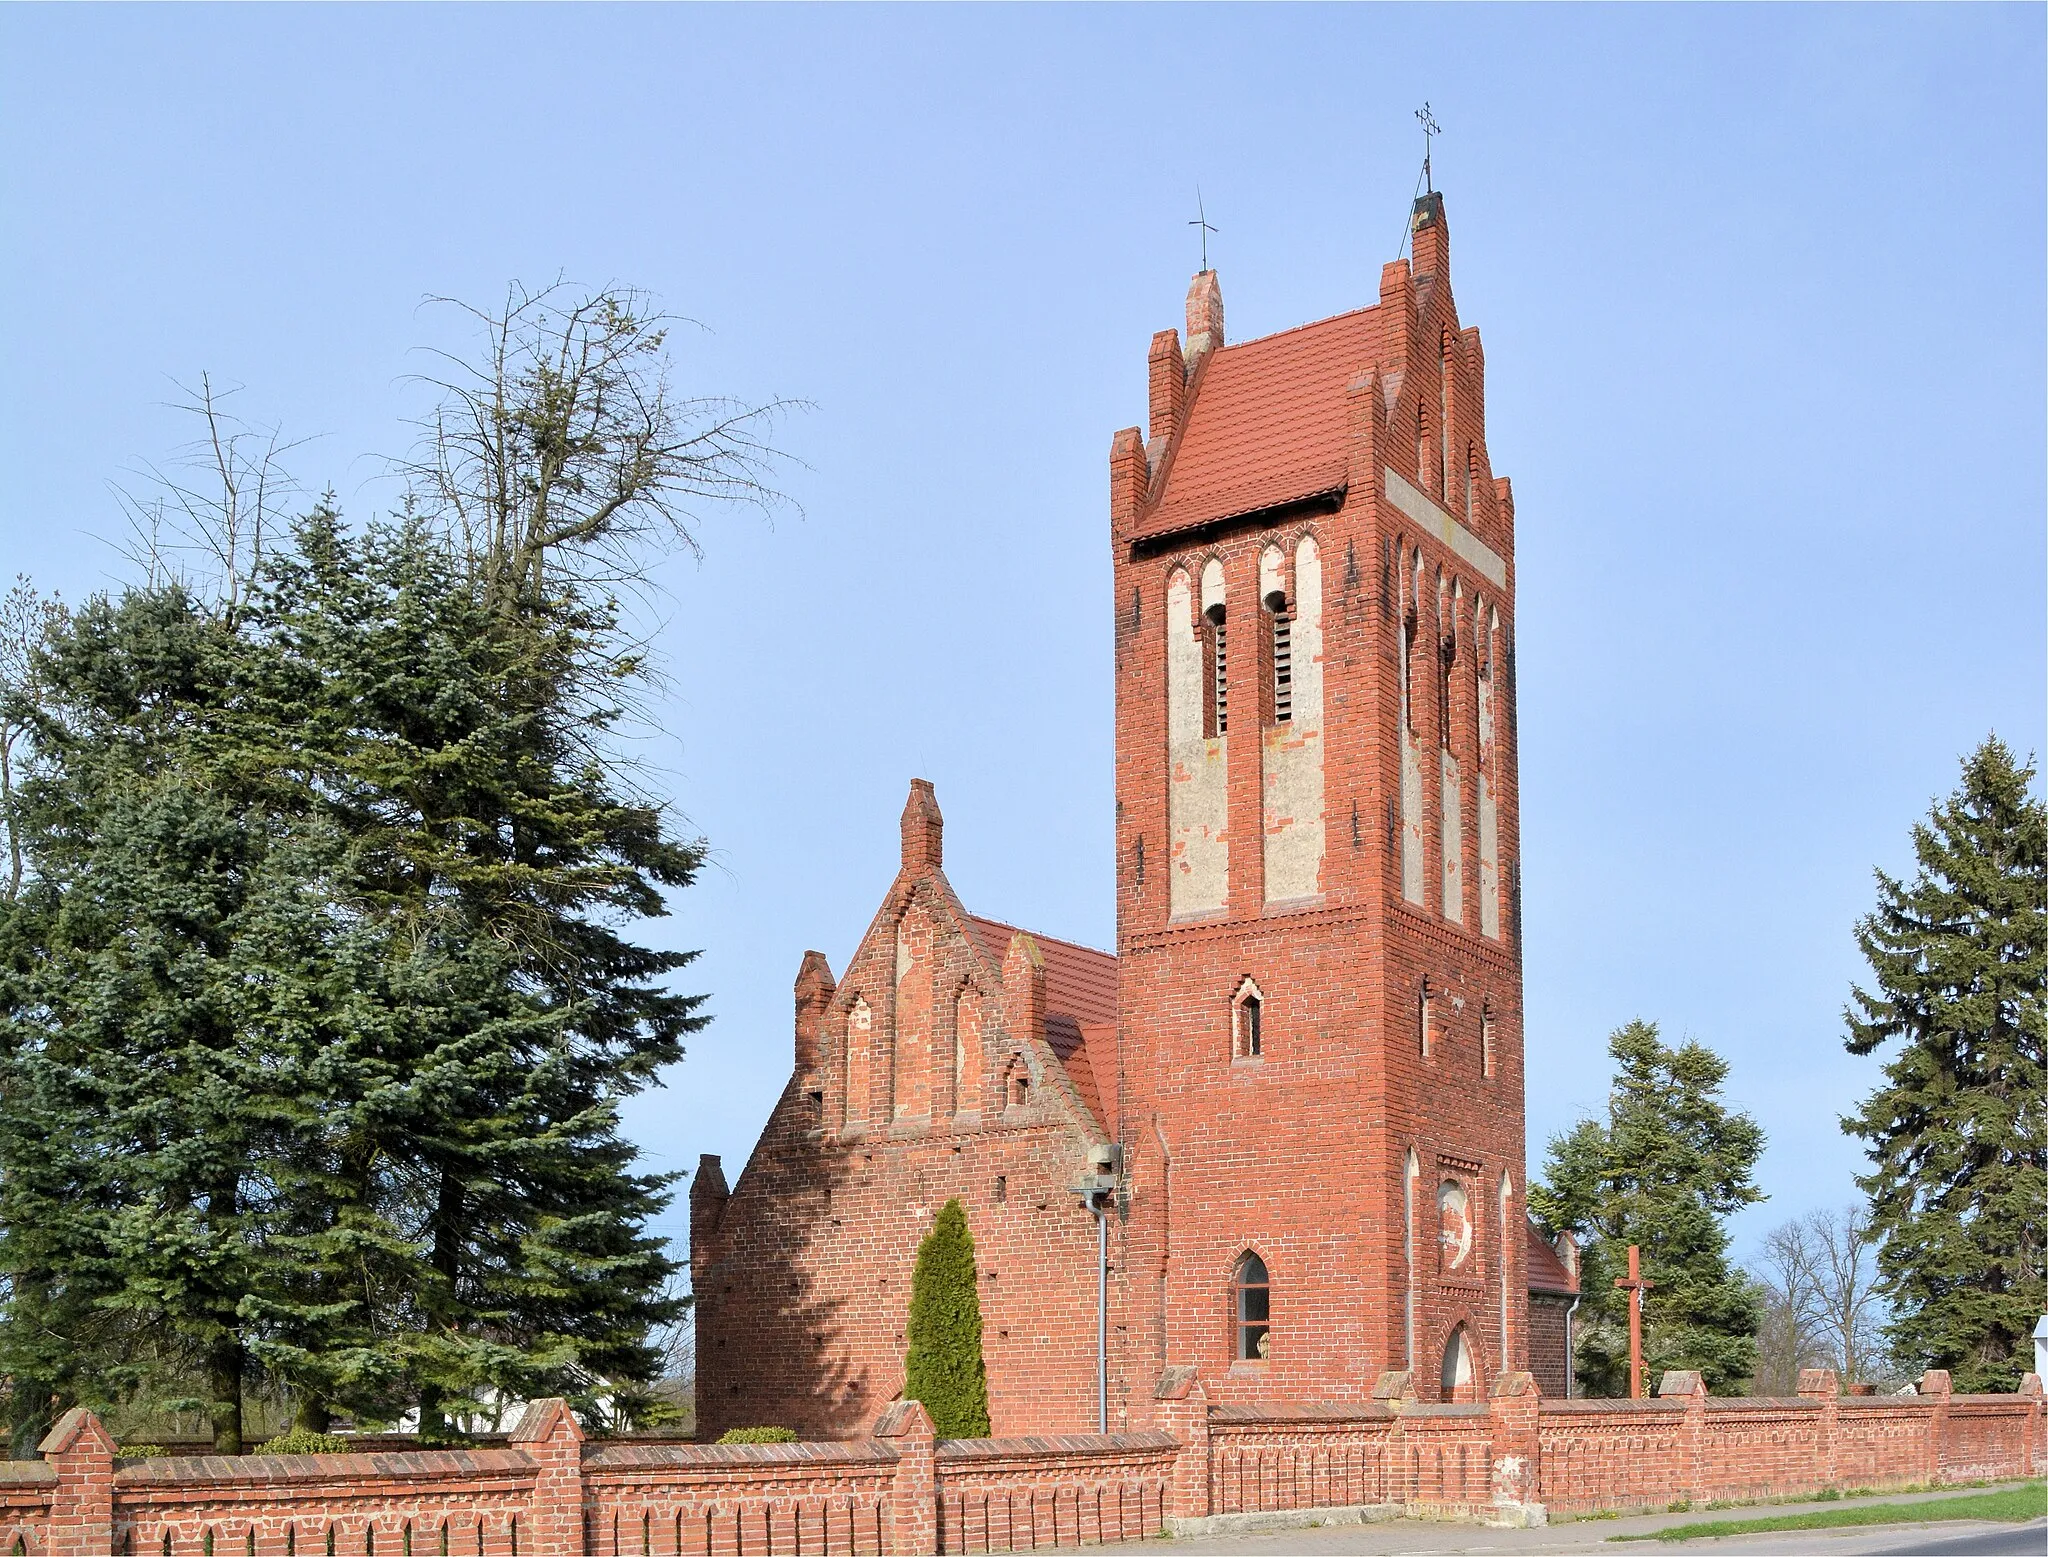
1202 221
1430 128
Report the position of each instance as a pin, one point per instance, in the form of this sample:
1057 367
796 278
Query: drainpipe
1098 1193
1570 1371
1101 1317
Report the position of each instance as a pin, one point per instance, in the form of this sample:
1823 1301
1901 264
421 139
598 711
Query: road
1429 1538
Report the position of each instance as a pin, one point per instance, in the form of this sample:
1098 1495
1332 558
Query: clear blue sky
1762 296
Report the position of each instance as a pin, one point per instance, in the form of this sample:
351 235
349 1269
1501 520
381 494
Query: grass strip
2014 1505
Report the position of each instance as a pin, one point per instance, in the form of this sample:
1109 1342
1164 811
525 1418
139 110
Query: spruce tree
1958 1132
316 1011
130 1180
943 1367
1664 1170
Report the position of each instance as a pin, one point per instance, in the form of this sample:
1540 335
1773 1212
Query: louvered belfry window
1222 681
1283 667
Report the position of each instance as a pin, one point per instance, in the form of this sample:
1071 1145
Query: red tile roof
1080 1007
1080 982
1268 425
1547 1272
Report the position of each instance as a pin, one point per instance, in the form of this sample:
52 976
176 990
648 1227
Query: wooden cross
1635 1286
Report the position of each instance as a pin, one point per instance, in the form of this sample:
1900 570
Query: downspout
1571 1371
1102 1318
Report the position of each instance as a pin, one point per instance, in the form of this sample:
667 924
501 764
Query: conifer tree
126 1173
1670 1162
1958 1132
943 1367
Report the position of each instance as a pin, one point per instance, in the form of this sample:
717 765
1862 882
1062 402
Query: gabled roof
1267 426
1547 1272
1080 1008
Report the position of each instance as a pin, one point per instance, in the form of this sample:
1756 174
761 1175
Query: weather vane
1429 128
1202 221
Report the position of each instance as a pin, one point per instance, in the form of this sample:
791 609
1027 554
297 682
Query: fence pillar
1935 1384
82 1506
2030 1452
549 1432
1517 1451
1394 1389
1182 1409
1822 1385
911 1518
1686 1384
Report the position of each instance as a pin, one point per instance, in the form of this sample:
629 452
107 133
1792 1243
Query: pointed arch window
1457 1374
1247 1022
1213 614
1251 1307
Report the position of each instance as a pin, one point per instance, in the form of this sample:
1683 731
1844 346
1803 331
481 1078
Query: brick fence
548 1493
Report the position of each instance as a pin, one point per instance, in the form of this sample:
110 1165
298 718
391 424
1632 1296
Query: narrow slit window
1247 1015
1283 667
1251 1303
1422 1019
1486 1044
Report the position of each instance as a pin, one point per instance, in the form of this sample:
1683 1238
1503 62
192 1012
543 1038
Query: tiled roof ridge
1057 940
1296 329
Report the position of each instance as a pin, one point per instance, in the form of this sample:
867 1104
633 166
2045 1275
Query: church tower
1319 1080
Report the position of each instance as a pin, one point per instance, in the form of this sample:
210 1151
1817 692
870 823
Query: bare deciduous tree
563 447
1822 1307
25 618
216 507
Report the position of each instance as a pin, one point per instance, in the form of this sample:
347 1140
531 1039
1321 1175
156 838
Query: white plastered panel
1197 765
1294 750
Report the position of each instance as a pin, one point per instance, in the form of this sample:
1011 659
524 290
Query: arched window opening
1251 1304
1017 1083
1447 655
1247 1018
1219 648
1457 1377
1283 667
1219 687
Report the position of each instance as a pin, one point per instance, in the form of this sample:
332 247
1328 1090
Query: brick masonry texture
1371 1153
1513 1458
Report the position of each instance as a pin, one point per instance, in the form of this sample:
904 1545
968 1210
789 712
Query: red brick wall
1549 1330
802 1273
1301 1155
550 1494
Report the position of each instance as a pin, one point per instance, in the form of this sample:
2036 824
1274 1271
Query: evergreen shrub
303 1440
757 1435
944 1365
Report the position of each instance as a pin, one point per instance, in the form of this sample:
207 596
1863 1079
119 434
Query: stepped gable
1267 426
1080 1009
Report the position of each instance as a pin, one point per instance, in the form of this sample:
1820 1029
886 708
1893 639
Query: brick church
1278 1136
